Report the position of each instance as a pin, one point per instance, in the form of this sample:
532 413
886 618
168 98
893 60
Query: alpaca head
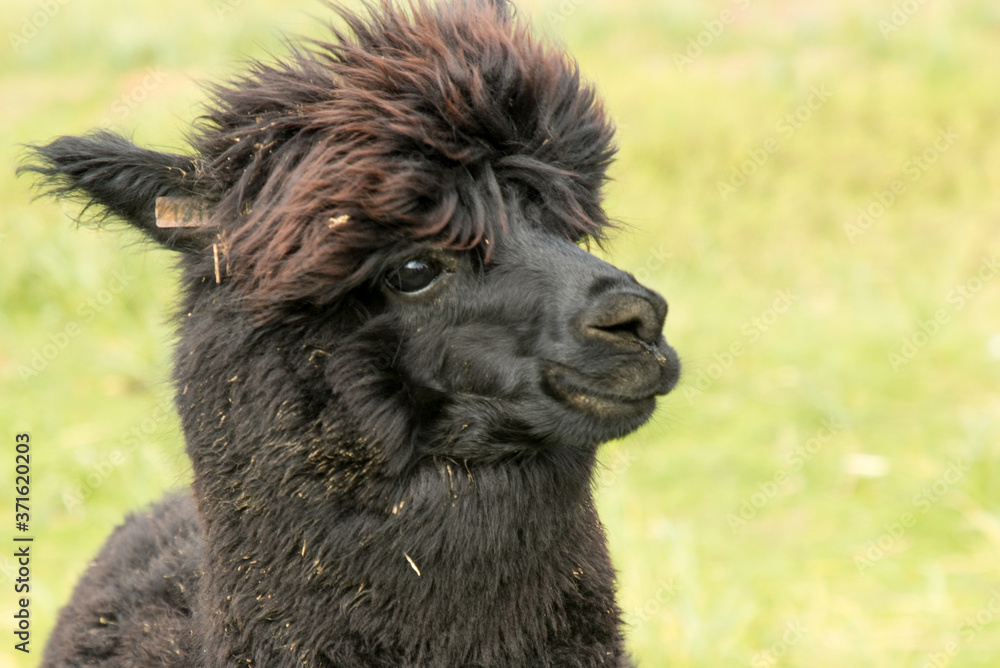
403 211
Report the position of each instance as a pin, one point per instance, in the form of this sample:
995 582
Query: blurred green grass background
805 498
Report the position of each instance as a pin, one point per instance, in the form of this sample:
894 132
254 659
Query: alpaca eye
414 276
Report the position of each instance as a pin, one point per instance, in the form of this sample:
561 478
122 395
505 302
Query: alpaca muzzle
624 362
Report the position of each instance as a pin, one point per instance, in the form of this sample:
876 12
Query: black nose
625 316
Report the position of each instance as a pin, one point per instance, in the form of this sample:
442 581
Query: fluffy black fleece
395 361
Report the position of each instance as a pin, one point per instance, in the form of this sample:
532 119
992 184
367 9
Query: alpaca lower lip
572 388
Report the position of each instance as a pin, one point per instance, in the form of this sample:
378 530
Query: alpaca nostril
629 328
624 317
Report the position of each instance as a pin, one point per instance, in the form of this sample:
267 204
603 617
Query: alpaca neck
457 560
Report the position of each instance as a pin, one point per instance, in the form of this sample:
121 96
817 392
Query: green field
814 186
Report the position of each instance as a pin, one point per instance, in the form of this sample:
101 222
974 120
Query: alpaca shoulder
133 606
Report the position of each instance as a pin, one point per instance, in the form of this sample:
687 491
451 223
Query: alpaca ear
109 172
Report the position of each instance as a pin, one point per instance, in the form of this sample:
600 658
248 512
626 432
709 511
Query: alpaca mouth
583 393
630 390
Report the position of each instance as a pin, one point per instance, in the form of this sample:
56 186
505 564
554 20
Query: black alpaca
395 361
